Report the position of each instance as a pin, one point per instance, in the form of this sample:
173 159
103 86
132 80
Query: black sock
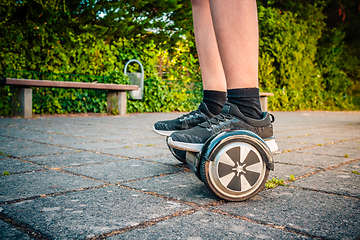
214 100
247 100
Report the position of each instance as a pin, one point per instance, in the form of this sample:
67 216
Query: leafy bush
300 60
298 63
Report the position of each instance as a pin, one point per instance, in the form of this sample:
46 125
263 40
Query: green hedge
300 61
302 73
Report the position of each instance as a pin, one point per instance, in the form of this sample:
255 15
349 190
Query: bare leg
236 29
211 67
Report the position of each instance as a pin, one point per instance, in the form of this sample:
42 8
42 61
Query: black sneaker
186 121
230 119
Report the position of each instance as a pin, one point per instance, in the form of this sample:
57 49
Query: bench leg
116 100
24 97
264 103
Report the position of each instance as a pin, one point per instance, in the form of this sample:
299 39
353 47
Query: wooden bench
116 97
264 100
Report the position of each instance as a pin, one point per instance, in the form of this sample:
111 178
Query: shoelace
222 117
193 113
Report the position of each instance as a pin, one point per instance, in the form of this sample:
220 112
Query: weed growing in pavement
274 182
355 172
346 155
3 154
5 173
292 177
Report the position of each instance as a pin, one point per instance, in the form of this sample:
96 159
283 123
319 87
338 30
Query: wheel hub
239 169
233 165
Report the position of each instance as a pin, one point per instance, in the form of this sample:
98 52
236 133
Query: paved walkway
112 177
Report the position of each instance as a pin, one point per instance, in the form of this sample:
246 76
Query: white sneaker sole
192 147
196 147
272 145
163 133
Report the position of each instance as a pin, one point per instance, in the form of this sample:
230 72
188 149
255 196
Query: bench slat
61 84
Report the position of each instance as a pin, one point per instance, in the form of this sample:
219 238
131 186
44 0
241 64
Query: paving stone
138 152
5 131
72 159
57 139
30 127
135 133
305 207
93 146
121 171
149 141
12 121
332 182
311 160
206 225
80 133
17 166
163 146
66 131
318 139
313 128
113 137
20 186
314 213
305 134
88 213
35 151
9 232
167 159
283 171
349 144
19 144
285 145
333 150
183 186
354 166
19 133
4 139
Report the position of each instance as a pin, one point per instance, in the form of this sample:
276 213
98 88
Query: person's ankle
247 100
214 100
